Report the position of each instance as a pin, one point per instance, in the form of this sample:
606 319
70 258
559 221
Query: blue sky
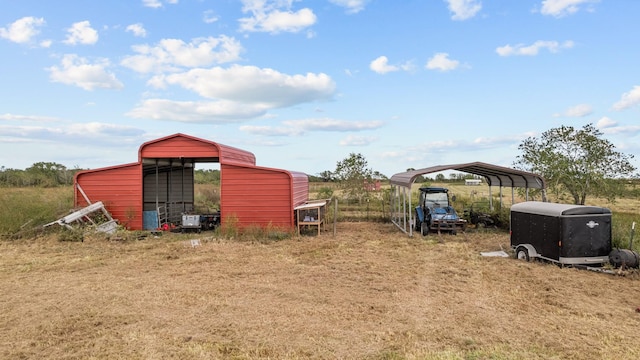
302 84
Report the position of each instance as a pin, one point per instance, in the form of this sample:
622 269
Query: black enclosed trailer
561 233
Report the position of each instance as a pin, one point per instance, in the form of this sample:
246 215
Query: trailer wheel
522 253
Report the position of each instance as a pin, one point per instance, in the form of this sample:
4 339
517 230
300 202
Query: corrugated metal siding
181 145
177 147
300 188
175 190
118 187
255 195
230 155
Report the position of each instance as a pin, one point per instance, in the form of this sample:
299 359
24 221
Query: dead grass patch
371 292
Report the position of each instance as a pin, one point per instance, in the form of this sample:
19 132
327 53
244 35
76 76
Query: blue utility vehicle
435 213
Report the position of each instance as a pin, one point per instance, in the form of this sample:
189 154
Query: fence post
335 215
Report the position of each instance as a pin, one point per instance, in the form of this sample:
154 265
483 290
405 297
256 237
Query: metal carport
494 175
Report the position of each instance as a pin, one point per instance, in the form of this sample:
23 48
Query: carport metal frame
494 175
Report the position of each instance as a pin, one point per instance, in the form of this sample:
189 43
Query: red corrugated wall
300 188
185 146
261 196
255 195
118 187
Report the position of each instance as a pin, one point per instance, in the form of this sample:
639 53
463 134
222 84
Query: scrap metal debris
83 215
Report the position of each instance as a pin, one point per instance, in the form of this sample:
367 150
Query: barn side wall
259 196
300 188
119 188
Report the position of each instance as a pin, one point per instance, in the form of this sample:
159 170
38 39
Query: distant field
370 292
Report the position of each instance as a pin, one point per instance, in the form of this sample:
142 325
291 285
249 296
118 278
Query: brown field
370 292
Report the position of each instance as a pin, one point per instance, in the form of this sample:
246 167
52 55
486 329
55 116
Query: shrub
325 193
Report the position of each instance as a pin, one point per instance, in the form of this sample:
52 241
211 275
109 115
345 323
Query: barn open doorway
169 189
207 187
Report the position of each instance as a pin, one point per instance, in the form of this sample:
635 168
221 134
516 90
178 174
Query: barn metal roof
493 174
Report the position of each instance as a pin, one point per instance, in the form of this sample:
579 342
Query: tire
522 253
424 228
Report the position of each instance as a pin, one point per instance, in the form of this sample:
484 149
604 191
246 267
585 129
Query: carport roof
493 174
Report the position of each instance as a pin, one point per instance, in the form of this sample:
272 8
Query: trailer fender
525 252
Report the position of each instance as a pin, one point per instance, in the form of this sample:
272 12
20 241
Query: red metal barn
161 184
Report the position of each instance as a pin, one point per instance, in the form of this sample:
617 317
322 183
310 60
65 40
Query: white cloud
157 3
250 84
94 134
216 112
606 122
173 54
81 33
236 94
209 17
381 65
137 30
628 99
11 117
300 127
580 110
560 8
611 127
152 3
271 131
441 62
464 9
352 6
327 124
77 71
354 140
22 30
531 50
274 17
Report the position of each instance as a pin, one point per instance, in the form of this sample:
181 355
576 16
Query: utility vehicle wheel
522 253
424 228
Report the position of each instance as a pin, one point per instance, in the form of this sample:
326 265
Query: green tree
326 176
48 174
577 162
206 176
353 173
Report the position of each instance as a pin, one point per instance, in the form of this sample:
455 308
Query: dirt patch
371 292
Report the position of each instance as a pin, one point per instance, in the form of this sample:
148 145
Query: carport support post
410 212
490 199
157 200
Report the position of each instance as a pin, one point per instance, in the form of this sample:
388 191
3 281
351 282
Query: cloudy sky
302 84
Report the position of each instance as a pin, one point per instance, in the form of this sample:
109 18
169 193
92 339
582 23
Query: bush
325 193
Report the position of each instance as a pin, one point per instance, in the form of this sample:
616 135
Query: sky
305 84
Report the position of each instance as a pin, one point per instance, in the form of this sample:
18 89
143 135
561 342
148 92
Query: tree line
40 174
577 162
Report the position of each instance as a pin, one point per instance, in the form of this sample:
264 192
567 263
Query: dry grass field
370 292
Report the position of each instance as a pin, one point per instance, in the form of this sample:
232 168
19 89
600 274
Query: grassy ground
370 292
